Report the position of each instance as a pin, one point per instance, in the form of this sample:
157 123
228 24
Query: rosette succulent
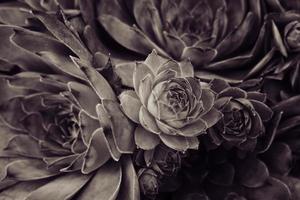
202 31
244 115
164 165
285 24
169 104
63 134
164 160
149 182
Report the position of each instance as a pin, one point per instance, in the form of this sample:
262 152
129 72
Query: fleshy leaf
13 53
174 44
257 96
278 40
9 91
59 30
80 92
165 128
28 170
63 187
278 158
14 15
151 22
35 126
88 125
96 80
130 104
217 85
130 184
141 70
288 124
199 56
154 61
207 98
98 152
105 184
9 117
24 145
263 110
178 143
122 128
193 142
145 89
130 37
145 139
6 135
237 37
125 72
233 92
212 117
62 63
169 65
289 106
196 128
274 189
252 172
271 128
187 69
21 190
164 76
148 121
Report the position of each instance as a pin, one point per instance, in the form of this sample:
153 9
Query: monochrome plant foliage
149 99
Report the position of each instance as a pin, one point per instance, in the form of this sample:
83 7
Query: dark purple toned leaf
274 189
251 172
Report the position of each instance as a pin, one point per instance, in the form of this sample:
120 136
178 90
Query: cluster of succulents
149 99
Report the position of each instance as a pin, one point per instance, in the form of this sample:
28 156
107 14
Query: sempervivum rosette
158 170
244 115
203 31
169 104
63 134
285 25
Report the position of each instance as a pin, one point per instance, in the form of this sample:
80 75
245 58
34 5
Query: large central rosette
169 104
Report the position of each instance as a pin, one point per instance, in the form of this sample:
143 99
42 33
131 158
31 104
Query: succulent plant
149 182
200 98
170 104
284 24
202 31
244 115
63 132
